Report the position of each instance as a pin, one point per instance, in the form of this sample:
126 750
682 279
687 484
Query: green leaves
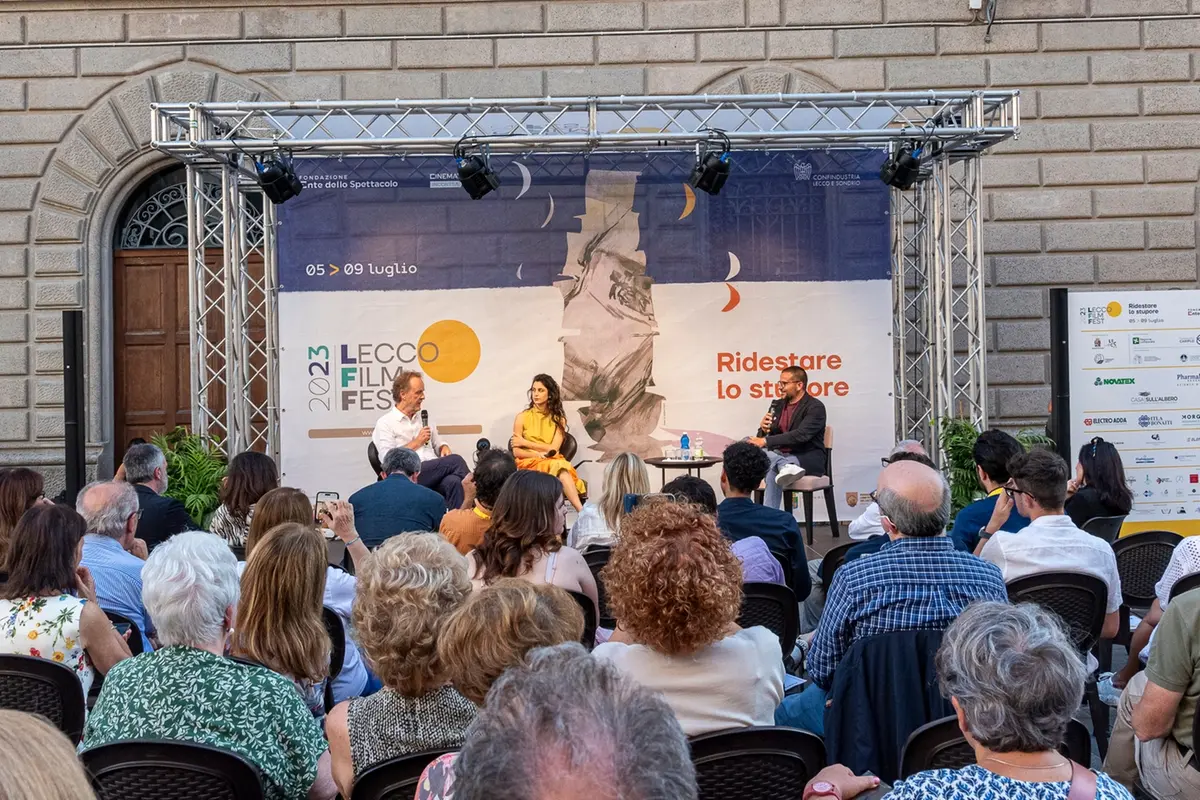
194 471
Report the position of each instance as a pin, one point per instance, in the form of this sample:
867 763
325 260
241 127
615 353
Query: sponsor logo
1187 378
1194 478
1186 458
1192 440
1115 381
1161 481
1102 359
1146 397
1146 460
802 170
1099 422
1099 315
1103 344
444 180
1143 340
1193 312
1153 421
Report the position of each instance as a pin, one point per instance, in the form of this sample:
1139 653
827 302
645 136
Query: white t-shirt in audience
734 683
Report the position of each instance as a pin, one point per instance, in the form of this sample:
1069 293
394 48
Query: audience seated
1050 542
1152 740
875 543
868 524
538 434
406 590
525 539
284 505
744 468
112 553
464 527
1185 560
48 607
496 628
759 565
279 621
249 477
567 726
20 490
39 762
917 581
1098 488
993 450
675 588
397 504
188 691
1014 678
599 523
161 516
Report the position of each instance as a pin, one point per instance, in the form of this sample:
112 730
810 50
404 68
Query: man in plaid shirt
917 581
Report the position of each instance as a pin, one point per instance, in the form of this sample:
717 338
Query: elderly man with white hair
113 554
187 691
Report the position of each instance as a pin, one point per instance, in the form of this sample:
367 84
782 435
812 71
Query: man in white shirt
1051 542
403 426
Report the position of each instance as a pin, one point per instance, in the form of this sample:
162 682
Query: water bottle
685 447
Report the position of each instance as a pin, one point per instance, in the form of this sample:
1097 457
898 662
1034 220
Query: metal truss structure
936 248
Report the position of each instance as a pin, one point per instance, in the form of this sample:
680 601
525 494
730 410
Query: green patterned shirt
191 695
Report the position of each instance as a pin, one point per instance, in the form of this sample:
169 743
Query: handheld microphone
424 418
775 410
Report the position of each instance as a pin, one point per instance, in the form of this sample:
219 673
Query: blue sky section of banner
787 216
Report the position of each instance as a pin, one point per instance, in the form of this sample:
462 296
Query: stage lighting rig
904 168
278 179
712 168
474 172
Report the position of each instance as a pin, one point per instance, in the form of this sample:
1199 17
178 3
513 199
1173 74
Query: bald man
917 581
112 553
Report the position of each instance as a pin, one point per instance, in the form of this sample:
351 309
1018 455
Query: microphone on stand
775 410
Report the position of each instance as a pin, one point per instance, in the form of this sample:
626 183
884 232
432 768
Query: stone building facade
1100 189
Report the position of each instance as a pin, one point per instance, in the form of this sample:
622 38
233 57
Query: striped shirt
118 577
910 584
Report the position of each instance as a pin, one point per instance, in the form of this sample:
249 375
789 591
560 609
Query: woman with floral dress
48 607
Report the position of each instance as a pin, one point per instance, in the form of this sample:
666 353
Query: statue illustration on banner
608 316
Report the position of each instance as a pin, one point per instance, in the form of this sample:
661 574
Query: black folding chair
46 688
1106 528
373 460
940 745
755 763
589 618
337 652
141 768
1141 561
396 778
597 557
775 608
1080 601
1184 584
785 563
831 561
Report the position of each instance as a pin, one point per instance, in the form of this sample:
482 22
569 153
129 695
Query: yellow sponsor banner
1184 527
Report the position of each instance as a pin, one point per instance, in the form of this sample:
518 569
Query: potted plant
195 469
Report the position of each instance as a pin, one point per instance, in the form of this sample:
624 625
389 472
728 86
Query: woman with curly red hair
675 587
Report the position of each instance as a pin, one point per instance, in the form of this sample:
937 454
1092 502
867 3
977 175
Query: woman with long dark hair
525 539
1099 488
538 434
48 607
249 477
20 489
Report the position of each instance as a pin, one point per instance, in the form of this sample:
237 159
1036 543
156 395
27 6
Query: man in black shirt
159 517
793 433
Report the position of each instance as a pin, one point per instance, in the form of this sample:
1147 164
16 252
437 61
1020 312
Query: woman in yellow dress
538 434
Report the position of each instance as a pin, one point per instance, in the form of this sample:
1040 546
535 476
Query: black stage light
712 169
903 169
476 176
278 179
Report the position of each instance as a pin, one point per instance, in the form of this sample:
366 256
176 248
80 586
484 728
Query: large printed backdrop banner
659 309
1135 382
